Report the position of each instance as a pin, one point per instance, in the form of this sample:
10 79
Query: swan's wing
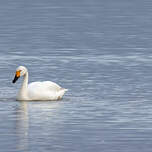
45 86
45 90
51 85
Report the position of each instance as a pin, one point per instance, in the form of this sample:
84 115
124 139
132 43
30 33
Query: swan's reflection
22 125
35 115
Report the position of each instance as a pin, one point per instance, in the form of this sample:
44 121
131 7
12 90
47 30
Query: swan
45 90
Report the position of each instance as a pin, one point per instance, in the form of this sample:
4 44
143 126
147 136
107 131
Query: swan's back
45 90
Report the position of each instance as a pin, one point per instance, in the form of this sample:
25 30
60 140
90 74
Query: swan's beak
17 75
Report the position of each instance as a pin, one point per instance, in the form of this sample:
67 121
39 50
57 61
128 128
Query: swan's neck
23 93
25 82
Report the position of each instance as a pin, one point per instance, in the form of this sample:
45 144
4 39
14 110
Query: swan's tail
65 89
61 93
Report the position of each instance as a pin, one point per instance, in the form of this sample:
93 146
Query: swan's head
20 71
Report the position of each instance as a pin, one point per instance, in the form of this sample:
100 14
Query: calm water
101 50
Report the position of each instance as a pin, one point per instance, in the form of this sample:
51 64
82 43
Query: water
101 51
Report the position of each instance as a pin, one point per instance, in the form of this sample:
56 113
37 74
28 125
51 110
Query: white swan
45 90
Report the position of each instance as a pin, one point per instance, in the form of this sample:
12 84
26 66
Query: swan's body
45 90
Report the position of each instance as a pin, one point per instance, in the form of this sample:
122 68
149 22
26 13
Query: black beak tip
15 79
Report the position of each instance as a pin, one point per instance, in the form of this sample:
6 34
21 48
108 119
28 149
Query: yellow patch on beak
18 73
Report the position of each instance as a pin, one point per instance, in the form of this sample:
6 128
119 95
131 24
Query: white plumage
45 90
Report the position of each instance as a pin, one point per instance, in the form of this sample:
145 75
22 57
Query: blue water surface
101 50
